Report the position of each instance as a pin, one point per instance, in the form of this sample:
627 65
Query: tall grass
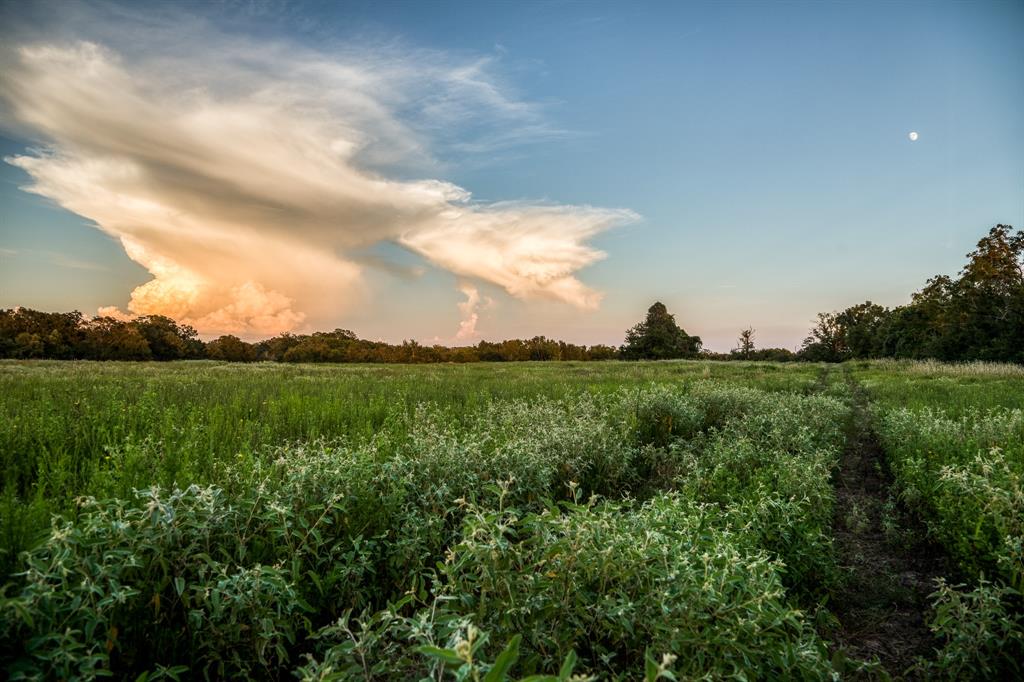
626 520
951 369
102 429
358 546
954 439
953 388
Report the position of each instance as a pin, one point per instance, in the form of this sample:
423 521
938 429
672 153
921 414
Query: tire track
888 570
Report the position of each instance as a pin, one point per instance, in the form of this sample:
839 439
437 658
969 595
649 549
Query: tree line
979 315
26 333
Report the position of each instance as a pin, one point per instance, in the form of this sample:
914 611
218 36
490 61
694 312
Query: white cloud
532 251
114 312
470 310
240 178
467 326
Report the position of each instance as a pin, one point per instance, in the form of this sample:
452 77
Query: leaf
565 672
650 667
839 660
447 656
504 662
312 575
175 672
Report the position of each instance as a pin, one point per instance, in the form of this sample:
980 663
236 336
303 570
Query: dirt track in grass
888 568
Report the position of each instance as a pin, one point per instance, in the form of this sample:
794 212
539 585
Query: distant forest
979 315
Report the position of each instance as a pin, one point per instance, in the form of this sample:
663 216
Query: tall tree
988 299
978 315
658 337
107 338
167 339
862 327
826 341
745 343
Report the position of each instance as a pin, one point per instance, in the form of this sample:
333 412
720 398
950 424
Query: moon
913 136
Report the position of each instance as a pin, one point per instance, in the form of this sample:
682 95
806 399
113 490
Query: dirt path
882 605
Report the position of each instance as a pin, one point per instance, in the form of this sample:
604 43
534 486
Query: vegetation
745 342
615 520
658 337
27 334
217 517
977 316
411 525
954 439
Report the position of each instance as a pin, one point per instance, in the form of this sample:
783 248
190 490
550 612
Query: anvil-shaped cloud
244 181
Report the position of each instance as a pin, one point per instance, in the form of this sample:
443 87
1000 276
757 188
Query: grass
72 428
954 441
954 435
203 412
624 520
953 388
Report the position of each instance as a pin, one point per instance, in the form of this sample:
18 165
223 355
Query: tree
862 328
988 299
540 348
28 345
774 355
658 337
601 352
231 349
167 339
827 340
107 338
857 332
276 347
922 329
745 343
978 315
43 335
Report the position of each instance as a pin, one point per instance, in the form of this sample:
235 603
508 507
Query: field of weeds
673 520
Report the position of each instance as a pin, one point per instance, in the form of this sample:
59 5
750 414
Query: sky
450 172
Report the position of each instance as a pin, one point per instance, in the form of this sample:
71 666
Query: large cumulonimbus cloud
243 179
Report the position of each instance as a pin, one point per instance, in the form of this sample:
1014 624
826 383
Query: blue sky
744 163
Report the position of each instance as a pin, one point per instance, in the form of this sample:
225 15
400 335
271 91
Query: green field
609 519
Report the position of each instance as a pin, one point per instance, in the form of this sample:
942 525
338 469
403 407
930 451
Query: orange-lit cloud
242 183
471 309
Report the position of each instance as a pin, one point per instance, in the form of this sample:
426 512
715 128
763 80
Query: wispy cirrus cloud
246 177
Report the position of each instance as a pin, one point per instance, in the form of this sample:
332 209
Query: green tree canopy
978 315
658 337
231 348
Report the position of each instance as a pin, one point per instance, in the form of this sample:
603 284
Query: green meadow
555 521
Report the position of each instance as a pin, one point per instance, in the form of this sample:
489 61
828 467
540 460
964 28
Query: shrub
982 632
122 586
966 477
614 581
